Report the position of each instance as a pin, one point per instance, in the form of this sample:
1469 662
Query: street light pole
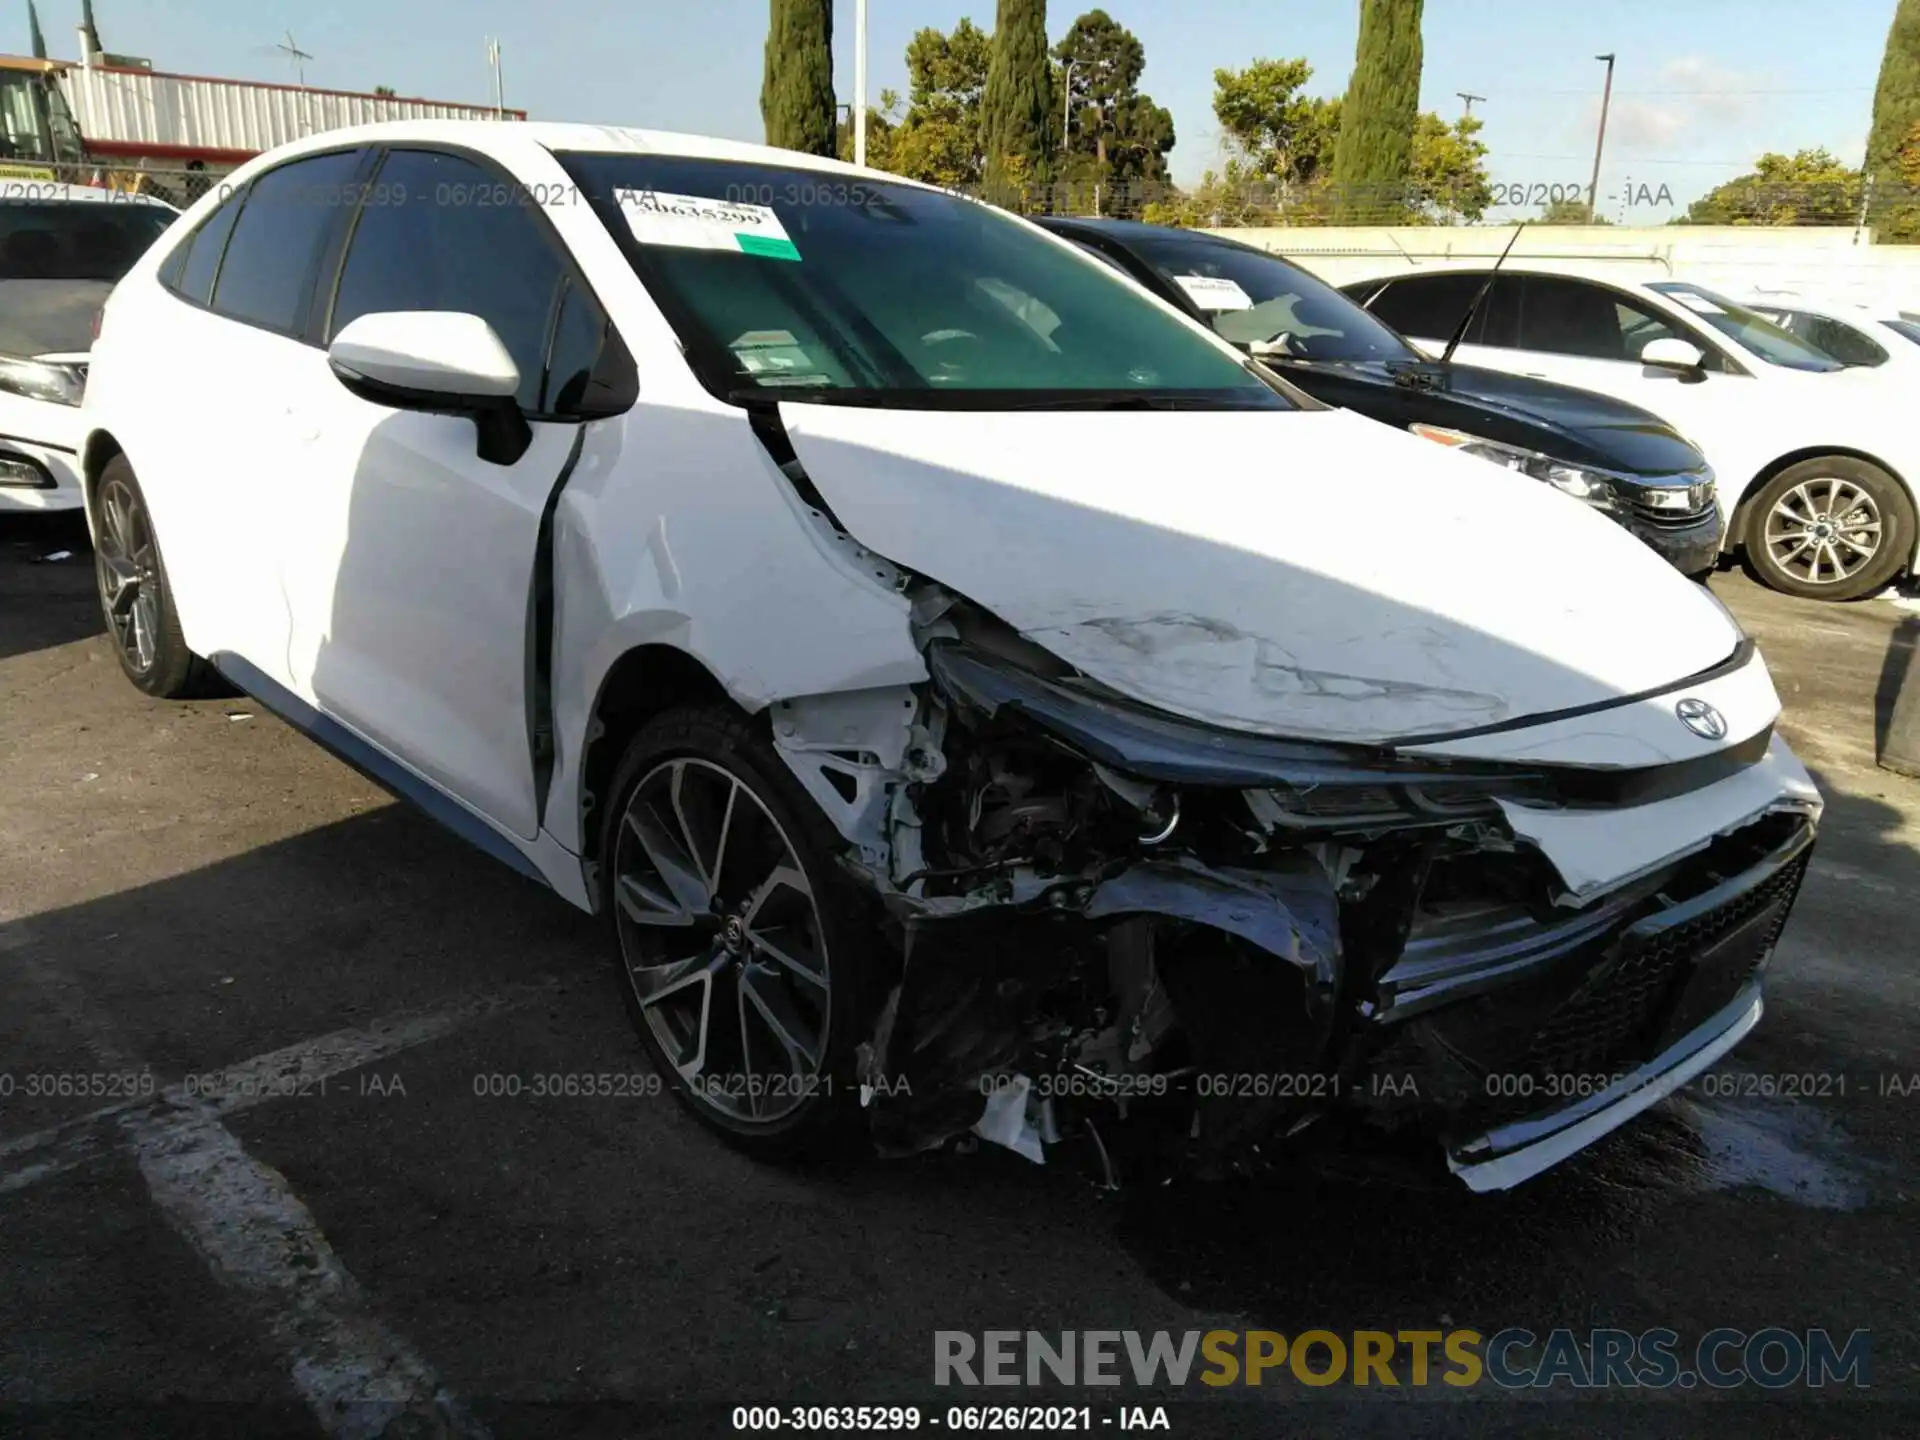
860 82
1469 99
1600 144
1066 105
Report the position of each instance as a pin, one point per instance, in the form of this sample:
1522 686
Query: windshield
1748 328
1256 299
76 240
804 284
1909 328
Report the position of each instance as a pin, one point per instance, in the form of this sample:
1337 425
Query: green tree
1896 99
1283 135
386 90
940 140
36 39
1812 187
796 95
1568 212
883 129
1016 108
1373 160
86 24
1116 133
1449 169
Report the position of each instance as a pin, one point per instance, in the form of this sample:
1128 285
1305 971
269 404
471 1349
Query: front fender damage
1064 948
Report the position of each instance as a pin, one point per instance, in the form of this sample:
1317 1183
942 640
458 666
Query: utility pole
1066 105
499 80
1600 144
860 82
1469 99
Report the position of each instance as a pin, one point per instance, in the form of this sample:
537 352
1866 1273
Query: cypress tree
1016 109
1373 157
796 95
1896 100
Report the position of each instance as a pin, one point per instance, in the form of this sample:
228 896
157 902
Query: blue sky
1703 86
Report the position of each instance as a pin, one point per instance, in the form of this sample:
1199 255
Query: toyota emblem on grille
1702 719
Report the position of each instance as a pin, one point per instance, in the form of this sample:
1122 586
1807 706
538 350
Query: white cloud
1695 100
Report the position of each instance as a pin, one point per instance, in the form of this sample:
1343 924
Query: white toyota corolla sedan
1817 462
976 697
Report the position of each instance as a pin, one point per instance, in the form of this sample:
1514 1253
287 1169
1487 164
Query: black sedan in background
1616 457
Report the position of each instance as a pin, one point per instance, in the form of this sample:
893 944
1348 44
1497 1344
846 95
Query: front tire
135 598
744 958
1831 528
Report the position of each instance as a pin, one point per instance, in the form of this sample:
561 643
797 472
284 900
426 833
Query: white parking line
357 1376
279 1074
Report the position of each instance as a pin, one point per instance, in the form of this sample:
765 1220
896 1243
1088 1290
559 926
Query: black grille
1661 984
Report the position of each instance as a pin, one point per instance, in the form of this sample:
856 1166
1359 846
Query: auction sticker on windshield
694 222
1699 304
1214 292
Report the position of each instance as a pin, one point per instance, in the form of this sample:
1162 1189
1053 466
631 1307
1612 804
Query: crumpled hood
1308 574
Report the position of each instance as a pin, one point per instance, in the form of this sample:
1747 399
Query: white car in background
1817 462
1872 337
62 247
919 643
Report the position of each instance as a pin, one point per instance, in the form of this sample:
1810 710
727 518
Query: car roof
506 138
1628 270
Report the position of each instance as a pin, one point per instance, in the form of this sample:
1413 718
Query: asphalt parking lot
194 888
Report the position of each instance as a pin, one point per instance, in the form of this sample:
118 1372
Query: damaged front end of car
1177 945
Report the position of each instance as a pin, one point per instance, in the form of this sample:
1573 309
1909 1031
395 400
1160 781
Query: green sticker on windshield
769 247
697 222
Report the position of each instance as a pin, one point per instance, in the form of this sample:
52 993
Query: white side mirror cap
430 353
1672 353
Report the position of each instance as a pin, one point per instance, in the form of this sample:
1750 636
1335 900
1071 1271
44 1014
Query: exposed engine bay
1177 948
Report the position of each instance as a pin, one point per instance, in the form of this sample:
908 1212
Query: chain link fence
178 186
1892 212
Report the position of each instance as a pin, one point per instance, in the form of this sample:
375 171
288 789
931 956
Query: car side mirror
438 362
1673 353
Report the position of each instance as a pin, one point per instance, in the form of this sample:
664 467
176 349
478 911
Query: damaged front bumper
1589 1034
1105 913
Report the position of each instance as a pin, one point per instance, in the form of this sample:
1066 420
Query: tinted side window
1571 317
436 245
269 264
1428 307
578 338
203 250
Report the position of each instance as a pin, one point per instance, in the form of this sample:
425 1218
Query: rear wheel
135 598
1831 528
743 956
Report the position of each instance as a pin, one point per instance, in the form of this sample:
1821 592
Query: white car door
245 275
410 590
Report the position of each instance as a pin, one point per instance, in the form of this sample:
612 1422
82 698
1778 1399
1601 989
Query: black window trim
241 196
572 276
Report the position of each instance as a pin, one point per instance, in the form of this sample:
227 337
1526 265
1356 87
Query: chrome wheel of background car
1824 530
722 940
128 566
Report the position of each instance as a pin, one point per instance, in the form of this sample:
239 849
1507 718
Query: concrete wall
1738 260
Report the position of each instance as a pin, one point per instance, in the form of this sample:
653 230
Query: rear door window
267 273
1430 307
